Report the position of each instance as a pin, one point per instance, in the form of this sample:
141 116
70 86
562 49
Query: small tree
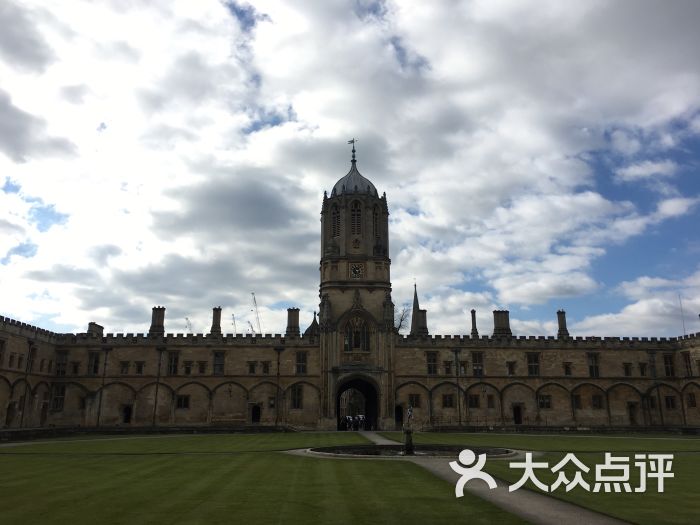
401 318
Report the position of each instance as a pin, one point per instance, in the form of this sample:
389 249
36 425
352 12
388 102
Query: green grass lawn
680 503
222 479
189 443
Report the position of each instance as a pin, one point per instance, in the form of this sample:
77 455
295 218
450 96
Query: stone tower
356 311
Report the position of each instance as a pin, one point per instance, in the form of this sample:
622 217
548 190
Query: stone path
377 439
527 504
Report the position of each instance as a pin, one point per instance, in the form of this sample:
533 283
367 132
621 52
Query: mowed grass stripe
260 487
192 444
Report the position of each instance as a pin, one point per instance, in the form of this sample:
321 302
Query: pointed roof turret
313 328
354 181
419 322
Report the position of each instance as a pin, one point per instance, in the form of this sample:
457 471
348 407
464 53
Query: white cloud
479 121
660 306
646 169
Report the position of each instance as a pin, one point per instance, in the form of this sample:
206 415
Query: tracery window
356 335
356 218
335 221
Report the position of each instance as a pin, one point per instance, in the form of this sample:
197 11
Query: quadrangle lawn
222 479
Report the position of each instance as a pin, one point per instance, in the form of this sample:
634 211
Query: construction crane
257 314
188 324
233 322
251 327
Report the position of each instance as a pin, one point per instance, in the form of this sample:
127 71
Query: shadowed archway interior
371 401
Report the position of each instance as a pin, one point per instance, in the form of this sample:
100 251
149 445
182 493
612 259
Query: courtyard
248 478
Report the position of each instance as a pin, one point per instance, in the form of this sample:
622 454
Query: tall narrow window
335 221
686 362
172 363
301 363
668 365
478 364
59 395
297 396
593 365
375 222
356 218
431 358
218 364
356 336
93 363
533 364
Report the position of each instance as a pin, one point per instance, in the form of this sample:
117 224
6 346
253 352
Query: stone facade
94 379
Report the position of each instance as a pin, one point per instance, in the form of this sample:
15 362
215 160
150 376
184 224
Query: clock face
356 271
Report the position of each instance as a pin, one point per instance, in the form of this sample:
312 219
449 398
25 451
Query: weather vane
352 141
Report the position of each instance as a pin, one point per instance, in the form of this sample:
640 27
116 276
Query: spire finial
352 141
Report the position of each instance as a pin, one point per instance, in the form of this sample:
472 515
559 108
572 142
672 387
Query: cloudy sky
535 156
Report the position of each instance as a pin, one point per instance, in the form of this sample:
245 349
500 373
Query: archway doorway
398 416
127 411
357 397
255 414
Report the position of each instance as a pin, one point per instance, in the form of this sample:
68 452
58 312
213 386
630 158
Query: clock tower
356 315
355 262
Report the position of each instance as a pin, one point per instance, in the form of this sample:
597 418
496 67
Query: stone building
350 360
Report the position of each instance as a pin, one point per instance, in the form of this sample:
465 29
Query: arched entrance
357 397
255 414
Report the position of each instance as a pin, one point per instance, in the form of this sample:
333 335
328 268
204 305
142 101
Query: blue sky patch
45 216
269 119
245 14
26 249
10 187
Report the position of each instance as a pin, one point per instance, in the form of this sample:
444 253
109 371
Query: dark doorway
398 417
44 413
255 414
11 411
632 411
518 414
365 399
127 410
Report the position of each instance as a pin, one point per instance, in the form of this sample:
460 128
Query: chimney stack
561 317
216 321
501 323
157 321
475 332
292 322
95 329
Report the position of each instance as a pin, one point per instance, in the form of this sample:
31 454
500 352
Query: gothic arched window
335 222
356 335
356 218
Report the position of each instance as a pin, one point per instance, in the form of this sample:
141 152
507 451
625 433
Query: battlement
180 339
532 341
13 326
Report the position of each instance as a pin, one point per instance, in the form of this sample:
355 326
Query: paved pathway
377 439
527 504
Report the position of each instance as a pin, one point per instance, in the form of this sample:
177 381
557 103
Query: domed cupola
354 181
